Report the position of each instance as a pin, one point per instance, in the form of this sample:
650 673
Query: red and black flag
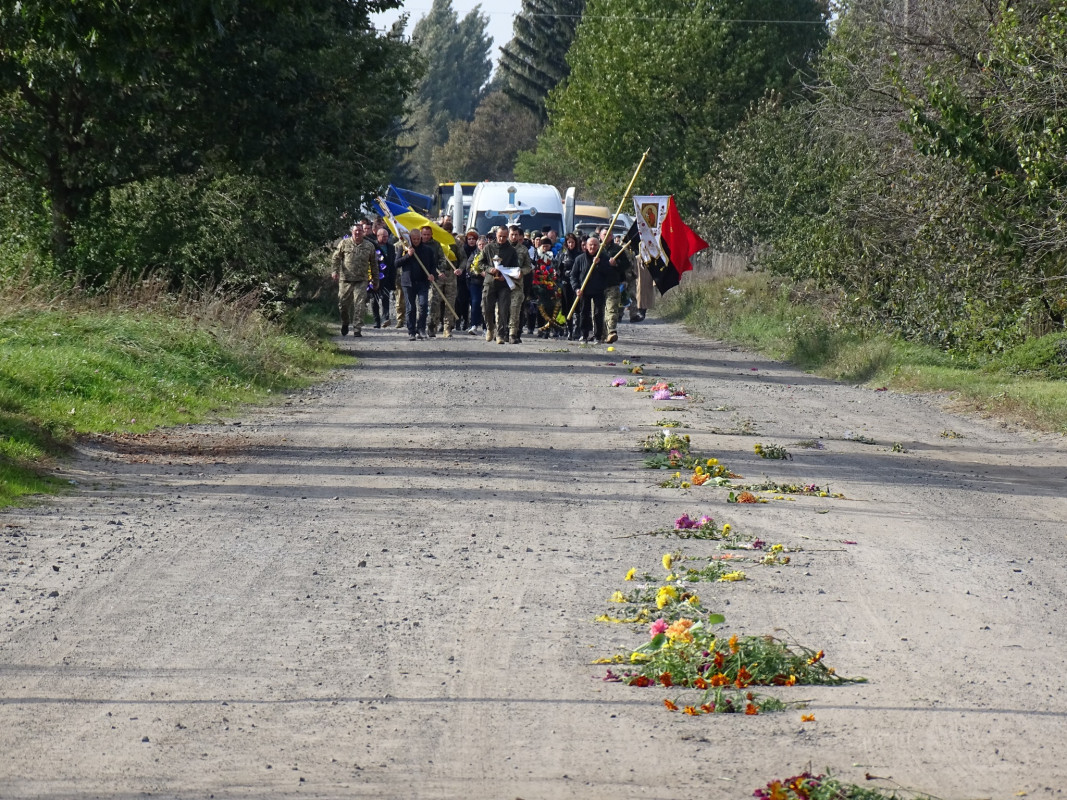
667 243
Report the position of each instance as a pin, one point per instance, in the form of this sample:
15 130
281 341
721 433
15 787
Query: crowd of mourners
505 284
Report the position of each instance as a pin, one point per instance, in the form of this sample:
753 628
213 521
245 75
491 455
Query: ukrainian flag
413 220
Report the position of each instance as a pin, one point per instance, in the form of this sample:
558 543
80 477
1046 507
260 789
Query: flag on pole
407 197
413 220
399 231
667 243
650 211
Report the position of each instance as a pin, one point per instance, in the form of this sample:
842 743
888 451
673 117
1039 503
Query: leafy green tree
549 161
455 53
674 76
533 62
95 97
925 180
486 147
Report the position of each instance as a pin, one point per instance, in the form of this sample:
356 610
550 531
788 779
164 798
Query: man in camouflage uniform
620 268
496 296
354 263
518 295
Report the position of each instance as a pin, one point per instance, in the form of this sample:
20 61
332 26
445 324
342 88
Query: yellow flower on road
665 595
668 559
631 573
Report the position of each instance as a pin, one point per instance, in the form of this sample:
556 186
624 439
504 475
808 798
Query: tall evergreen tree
455 53
533 62
485 148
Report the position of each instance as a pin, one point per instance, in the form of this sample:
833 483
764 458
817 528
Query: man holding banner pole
409 242
418 269
611 226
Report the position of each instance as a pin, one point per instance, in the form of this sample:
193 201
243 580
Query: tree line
905 156
211 140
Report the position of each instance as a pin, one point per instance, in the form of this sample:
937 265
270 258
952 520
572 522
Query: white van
532 205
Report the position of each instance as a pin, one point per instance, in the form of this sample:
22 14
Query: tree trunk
62 214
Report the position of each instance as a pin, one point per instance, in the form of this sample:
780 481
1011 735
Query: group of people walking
503 284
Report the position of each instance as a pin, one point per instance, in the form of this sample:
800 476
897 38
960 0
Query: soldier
518 294
354 263
496 296
621 277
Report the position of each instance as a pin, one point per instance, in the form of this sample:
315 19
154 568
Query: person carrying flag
591 298
417 269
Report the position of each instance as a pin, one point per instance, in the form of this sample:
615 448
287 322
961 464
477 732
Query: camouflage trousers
352 302
517 310
401 304
613 300
447 285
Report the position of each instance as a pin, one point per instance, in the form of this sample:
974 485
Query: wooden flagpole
611 226
411 251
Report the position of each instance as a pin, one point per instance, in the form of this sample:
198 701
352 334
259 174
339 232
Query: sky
500 13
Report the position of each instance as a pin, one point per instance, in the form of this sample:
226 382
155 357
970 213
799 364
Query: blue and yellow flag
413 220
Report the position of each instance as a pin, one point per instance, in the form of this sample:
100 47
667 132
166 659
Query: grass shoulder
134 361
1024 385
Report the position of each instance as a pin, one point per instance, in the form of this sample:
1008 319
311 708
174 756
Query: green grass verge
789 322
100 370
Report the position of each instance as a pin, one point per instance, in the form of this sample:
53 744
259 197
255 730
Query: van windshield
482 224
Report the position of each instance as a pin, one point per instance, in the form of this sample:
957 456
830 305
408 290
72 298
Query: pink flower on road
657 627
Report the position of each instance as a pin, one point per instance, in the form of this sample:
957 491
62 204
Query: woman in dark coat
563 264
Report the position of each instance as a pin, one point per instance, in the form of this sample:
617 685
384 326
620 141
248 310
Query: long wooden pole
432 283
611 227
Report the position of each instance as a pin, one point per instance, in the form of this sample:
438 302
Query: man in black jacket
418 269
382 299
591 298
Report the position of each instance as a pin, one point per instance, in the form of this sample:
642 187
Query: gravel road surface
386 587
